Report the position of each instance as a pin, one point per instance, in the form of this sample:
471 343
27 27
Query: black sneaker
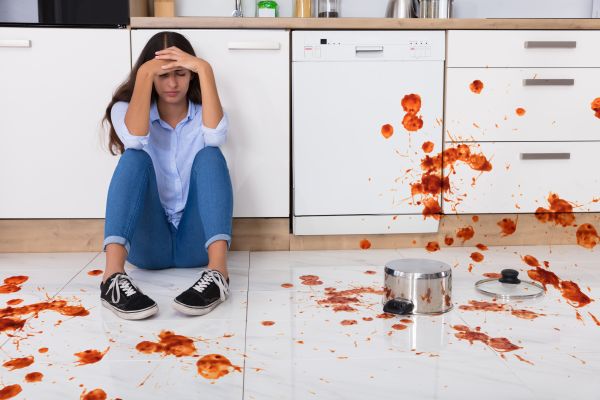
120 295
208 292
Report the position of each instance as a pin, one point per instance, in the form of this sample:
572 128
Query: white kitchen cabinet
55 86
523 176
252 73
522 48
557 104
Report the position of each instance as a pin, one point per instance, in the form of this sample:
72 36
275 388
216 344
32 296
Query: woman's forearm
138 114
212 112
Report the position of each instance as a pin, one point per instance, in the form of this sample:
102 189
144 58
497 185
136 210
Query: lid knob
509 276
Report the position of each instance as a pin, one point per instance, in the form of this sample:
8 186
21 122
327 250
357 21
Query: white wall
376 8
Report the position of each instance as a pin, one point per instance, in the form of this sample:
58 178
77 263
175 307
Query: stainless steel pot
401 9
435 9
417 286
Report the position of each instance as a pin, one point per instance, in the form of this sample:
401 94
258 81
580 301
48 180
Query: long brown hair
160 41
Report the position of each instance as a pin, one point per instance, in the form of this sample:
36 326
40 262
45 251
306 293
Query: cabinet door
557 104
523 176
252 73
55 86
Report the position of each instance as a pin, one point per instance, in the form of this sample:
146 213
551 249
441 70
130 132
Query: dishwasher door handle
368 49
545 156
548 82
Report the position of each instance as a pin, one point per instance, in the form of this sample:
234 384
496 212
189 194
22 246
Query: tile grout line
246 328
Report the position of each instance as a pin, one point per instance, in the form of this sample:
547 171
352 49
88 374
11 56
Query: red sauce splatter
345 308
432 208
546 264
481 247
594 318
427 296
95 272
427 147
596 106
560 211
342 300
16 280
370 272
14 302
524 360
507 226
43 350
475 218
432 246
520 111
34 377
169 344
310 280
367 319
347 322
412 123
406 321
387 131
531 261
268 323
475 305
18 363
96 394
9 324
526 314
493 275
287 285
578 316
215 366
476 86
470 267
449 240
385 316
587 236
8 392
544 277
90 356
411 103
571 291
477 257
465 233
500 344
364 244
399 327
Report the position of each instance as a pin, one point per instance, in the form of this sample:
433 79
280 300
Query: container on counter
303 9
267 8
329 8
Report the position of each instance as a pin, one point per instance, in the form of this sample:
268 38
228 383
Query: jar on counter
303 9
267 8
329 8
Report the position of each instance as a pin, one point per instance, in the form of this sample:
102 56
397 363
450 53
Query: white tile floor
306 353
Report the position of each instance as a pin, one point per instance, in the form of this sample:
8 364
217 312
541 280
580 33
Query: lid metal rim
509 296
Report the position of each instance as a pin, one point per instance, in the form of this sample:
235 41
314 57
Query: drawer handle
548 82
545 156
254 45
15 43
548 44
369 49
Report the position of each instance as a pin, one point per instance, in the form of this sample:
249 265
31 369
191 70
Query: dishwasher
347 89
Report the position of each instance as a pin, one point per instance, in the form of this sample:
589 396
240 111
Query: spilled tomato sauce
385 316
477 257
96 394
345 300
412 122
476 86
526 314
531 261
596 106
18 363
34 377
399 327
596 321
90 356
387 131
10 317
268 323
310 280
364 244
95 272
369 272
520 111
544 277
560 211
475 218
43 350
14 302
287 285
367 319
570 290
507 226
500 344
432 208
427 147
481 247
449 240
432 246
12 284
8 392
411 103
475 305
587 236
492 275
524 360
347 322
169 344
465 233
215 366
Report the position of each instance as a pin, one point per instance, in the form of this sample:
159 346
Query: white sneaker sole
134 315
194 310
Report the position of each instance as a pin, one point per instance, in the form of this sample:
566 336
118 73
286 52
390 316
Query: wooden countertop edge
361 23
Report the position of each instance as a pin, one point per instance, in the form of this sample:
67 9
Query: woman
170 199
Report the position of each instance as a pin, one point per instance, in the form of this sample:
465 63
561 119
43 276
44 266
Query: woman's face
172 86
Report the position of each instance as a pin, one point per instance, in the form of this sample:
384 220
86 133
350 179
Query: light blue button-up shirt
172 150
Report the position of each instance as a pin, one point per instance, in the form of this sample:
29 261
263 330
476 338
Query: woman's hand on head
176 58
154 67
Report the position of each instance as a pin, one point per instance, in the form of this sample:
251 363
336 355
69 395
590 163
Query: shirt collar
155 116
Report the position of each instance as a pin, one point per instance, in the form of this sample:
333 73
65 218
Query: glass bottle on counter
267 8
329 8
303 9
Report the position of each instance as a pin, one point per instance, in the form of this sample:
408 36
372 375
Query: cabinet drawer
523 48
557 104
523 176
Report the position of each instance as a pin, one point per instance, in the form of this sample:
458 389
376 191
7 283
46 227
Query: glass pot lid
509 286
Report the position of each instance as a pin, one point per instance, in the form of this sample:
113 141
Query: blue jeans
136 219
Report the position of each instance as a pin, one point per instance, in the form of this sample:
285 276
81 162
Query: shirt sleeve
117 115
216 136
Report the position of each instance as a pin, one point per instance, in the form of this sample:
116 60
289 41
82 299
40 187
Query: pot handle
398 306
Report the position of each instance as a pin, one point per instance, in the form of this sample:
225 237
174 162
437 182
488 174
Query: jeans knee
136 157
208 155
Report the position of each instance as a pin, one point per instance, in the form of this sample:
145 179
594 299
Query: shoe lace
209 276
121 283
